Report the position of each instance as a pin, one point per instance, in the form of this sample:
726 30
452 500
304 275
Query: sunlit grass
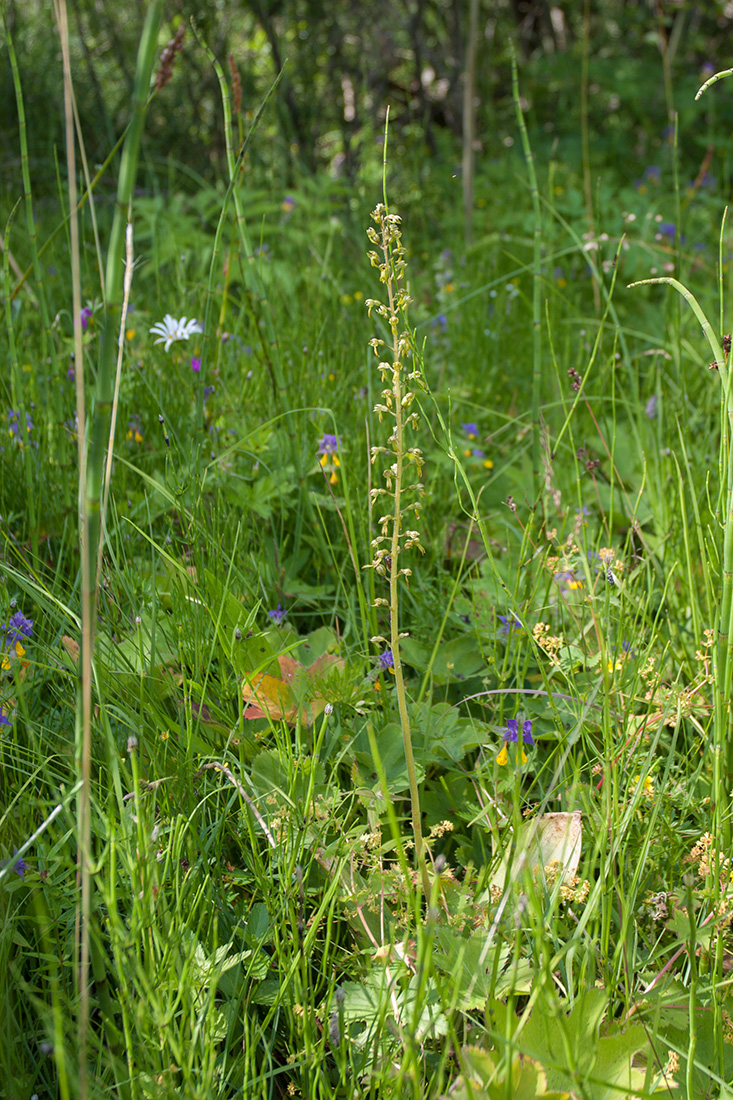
257 926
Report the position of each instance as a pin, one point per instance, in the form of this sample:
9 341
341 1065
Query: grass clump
491 860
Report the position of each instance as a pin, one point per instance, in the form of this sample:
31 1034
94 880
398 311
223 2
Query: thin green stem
22 434
84 687
394 628
536 280
585 141
106 371
723 654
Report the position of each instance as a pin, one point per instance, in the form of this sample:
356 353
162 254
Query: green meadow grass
210 885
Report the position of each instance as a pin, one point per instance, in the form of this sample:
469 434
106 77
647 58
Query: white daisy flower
169 329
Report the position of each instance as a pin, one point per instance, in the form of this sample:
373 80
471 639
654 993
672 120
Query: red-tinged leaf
292 696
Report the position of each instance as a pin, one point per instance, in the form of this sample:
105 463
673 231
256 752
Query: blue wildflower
386 660
14 418
277 614
19 622
511 733
17 628
509 623
568 580
19 865
328 445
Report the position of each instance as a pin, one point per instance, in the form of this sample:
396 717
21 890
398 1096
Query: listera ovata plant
403 464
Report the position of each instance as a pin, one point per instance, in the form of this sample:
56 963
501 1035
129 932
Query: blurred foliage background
628 63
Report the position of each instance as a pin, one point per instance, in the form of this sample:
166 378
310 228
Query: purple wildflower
568 580
509 623
470 429
19 865
86 313
17 628
14 418
277 615
476 453
668 229
328 445
386 660
196 364
511 733
19 623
